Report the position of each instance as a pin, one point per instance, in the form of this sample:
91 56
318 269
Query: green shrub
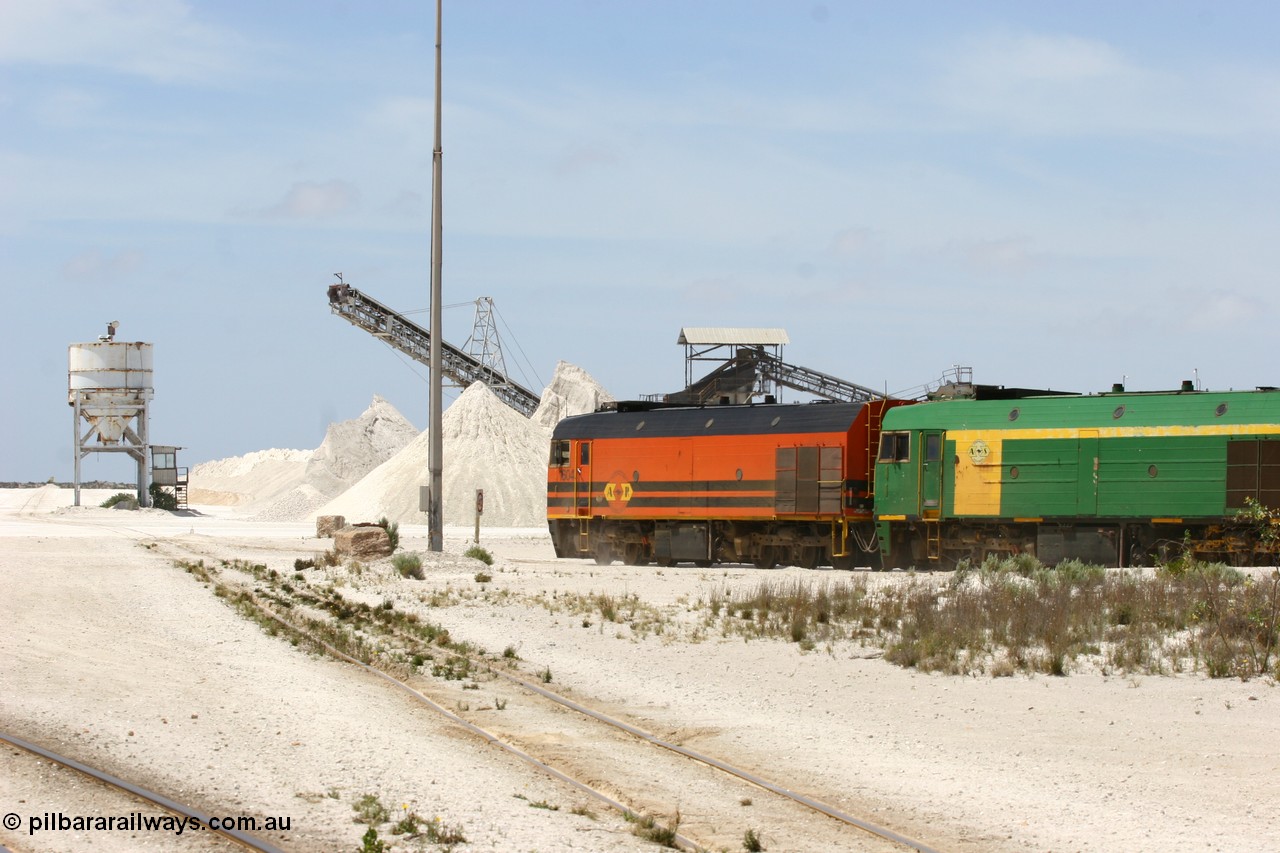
370 843
115 499
369 809
475 552
409 565
160 499
393 531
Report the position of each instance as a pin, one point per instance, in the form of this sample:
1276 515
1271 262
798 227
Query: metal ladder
932 539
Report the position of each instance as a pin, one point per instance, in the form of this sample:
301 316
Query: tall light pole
435 524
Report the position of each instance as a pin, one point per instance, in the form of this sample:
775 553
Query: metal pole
435 526
77 445
144 437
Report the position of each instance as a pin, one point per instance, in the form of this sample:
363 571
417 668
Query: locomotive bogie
703 544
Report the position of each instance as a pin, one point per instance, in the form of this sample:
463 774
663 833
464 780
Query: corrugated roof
732 335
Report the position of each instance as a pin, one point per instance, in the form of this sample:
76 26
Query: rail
244 839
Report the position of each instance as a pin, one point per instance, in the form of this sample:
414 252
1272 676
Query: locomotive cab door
931 472
582 479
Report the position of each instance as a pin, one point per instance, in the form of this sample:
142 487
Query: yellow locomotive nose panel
977 472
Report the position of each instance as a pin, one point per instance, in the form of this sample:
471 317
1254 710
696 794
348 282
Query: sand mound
287 484
373 466
247 479
487 445
572 391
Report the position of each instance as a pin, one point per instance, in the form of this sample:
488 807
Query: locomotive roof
659 421
1117 409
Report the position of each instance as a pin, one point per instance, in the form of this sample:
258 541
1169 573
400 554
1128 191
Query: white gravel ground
114 655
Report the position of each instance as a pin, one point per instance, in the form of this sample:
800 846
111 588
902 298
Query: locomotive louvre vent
1013 414
1118 413
1221 410
774 422
639 426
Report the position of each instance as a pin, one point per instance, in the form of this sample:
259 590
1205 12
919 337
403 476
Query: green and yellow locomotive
1114 479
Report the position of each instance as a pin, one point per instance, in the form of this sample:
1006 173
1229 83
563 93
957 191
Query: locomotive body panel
744 480
1128 462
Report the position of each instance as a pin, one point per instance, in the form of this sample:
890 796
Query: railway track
205 820
557 758
612 761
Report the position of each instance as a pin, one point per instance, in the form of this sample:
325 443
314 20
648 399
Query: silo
109 389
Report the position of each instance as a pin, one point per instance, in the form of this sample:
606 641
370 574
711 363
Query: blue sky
1060 195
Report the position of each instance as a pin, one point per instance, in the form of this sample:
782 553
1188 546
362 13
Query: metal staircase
460 367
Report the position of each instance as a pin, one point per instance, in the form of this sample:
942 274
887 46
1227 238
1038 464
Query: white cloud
95 264
584 157
1057 84
311 200
855 243
407 204
1011 255
158 39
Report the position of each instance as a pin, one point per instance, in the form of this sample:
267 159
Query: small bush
370 843
300 564
475 552
483 577
160 499
369 809
393 531
115 499
751 842
648 828
410 824
409 565
439 832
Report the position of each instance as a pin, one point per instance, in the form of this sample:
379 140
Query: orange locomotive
764 484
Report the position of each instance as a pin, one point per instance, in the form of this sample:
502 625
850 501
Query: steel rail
709 761
173 806
488 737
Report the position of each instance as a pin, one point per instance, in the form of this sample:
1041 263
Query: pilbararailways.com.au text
139 822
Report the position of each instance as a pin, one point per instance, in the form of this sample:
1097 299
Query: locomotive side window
584 454
895 446
559 453
932 447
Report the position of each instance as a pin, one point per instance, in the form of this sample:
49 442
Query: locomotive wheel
665 562
603 555
808 557
768 558
633 554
